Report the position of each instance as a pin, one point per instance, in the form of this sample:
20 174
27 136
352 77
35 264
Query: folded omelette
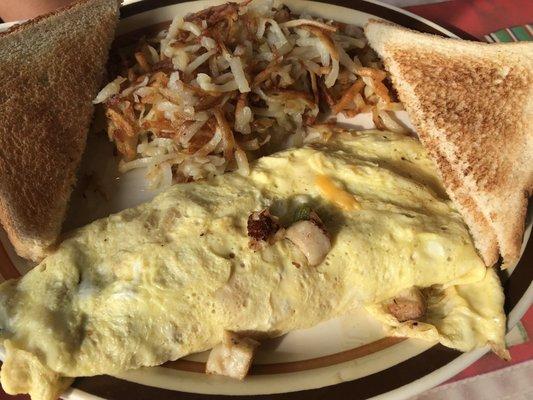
168 278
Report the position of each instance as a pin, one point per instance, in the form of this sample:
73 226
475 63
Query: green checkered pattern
522 33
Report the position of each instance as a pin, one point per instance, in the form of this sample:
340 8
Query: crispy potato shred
231 83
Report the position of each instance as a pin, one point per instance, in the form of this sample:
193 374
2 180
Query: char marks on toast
472 106
50 70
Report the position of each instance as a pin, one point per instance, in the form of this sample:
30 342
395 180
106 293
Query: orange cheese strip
341 198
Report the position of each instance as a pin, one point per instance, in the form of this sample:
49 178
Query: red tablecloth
477 17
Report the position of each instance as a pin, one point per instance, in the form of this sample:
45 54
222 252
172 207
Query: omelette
171 277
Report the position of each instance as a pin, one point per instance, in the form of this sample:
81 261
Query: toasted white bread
472 107
50 69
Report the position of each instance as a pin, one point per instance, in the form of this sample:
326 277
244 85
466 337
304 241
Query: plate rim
453 360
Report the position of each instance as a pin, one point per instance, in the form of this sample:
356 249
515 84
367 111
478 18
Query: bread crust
50 68
472 106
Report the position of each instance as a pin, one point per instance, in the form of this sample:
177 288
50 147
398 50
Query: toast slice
472 106
51 68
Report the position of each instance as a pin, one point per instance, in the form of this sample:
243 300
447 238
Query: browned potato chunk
232 357
408 305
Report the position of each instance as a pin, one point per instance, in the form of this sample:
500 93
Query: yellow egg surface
165 279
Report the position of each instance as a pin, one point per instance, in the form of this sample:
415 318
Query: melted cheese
165 279
337 196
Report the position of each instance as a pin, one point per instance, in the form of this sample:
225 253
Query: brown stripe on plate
302 365
133 37
392 378
112 388
7 268
516 285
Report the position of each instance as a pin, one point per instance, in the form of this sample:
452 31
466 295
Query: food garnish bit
234 82
409 305
311 237
232 357
307 233
262 228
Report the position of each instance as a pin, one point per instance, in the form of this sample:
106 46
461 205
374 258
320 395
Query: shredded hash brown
233 82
